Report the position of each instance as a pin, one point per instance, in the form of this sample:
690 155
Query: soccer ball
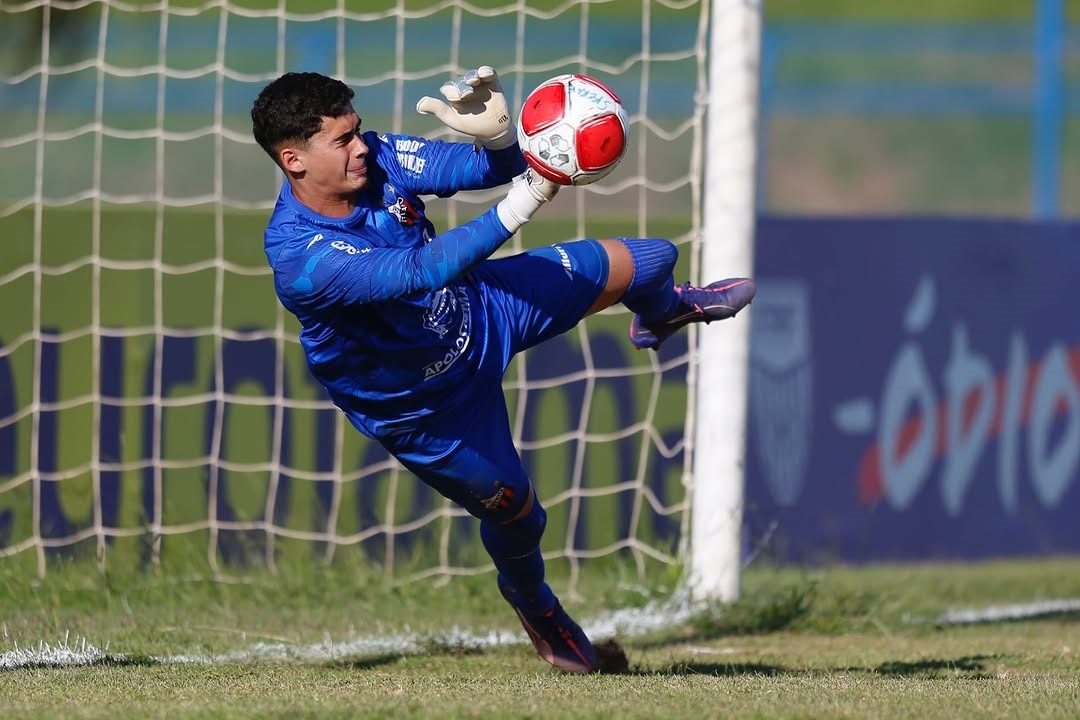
573 129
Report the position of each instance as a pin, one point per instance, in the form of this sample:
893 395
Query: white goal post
726 250
154 403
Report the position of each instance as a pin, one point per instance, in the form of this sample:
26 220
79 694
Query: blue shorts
467 453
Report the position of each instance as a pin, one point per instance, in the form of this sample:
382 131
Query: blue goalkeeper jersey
392 324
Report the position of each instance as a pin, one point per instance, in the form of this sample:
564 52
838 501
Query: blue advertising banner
915 389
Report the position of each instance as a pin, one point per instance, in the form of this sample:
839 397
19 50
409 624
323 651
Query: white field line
63 654
622 623
629 622
1018 611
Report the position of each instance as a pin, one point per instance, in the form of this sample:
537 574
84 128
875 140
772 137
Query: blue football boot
556 637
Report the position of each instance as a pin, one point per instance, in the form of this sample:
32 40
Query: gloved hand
477 107
529 191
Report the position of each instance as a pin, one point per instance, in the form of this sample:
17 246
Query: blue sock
515 550
652 291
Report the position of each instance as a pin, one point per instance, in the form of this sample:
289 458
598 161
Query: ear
291 159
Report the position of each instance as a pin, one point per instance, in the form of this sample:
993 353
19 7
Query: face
334 163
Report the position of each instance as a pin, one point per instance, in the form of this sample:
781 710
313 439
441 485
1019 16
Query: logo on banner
781 384
942 420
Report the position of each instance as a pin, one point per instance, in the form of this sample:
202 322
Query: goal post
726 251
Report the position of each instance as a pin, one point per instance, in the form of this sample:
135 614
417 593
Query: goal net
155 408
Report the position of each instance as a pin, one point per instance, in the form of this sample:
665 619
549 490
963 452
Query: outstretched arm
335 272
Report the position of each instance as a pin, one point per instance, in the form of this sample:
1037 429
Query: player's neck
327 205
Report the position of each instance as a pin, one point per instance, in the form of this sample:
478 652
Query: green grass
826 642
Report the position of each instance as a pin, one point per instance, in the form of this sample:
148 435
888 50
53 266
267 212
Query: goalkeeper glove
529 191
477 107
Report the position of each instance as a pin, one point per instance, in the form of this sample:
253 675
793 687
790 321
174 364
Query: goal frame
722 367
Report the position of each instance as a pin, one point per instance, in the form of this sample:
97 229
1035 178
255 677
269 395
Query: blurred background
920 108
915 357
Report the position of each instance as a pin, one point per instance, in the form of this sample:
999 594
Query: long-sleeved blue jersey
391 324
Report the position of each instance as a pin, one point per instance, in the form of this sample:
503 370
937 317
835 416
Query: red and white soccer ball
573 129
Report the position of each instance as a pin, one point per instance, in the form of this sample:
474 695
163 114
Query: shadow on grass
717 669
364 663
433 648
973 667
106 661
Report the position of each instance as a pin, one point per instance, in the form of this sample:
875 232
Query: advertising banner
915 389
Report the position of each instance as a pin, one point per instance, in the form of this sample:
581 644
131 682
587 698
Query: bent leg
641 279
640 276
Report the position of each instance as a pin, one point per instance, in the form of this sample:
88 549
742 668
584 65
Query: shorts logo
565 259
500 500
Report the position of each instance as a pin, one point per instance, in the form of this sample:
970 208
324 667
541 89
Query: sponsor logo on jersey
406 154
347 248
314 240
403 210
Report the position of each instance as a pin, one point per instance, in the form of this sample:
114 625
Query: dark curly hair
291 108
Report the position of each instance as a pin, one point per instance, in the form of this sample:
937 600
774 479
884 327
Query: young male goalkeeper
410 331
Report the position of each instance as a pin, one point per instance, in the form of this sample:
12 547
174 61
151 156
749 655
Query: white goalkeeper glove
477 107
529 191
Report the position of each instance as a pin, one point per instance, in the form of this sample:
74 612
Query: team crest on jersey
404 212
449 313
440 316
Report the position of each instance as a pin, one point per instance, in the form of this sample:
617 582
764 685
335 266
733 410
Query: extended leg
469 457
514 546
641 278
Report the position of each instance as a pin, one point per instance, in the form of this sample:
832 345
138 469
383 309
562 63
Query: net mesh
154 403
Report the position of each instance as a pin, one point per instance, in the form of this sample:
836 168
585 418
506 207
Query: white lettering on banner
1052 468
966 376
914 428
910 384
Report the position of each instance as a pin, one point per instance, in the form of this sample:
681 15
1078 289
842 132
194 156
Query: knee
529 527
523 514
517 529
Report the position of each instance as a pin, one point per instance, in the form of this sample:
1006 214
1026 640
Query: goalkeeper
411 331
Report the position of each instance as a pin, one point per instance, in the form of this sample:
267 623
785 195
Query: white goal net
154 404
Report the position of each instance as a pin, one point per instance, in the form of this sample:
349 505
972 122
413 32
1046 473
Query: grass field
835 642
